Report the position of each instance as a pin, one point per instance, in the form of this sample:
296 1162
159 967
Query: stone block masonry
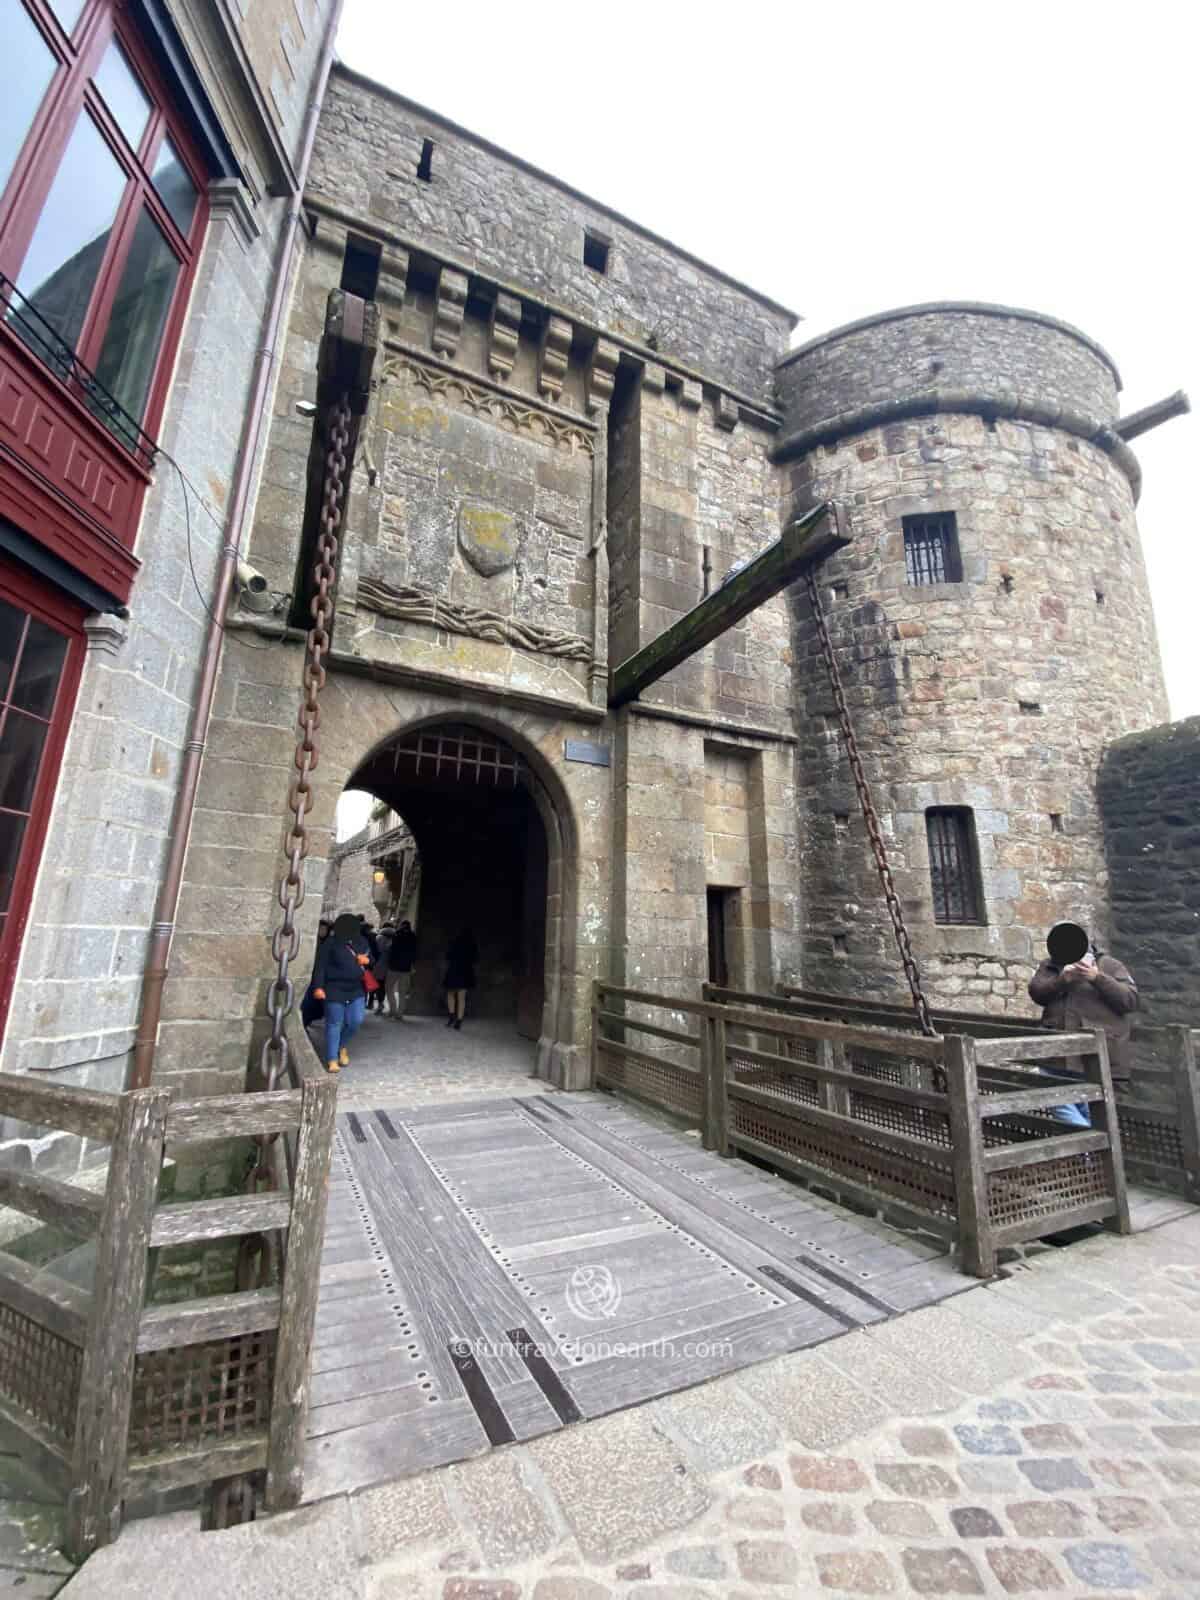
1149 789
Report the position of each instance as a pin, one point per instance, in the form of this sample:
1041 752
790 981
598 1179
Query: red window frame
72 94
20 588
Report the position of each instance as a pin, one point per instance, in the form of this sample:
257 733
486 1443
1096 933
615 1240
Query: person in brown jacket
1080 990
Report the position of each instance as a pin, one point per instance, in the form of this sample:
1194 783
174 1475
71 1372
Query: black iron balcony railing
39 337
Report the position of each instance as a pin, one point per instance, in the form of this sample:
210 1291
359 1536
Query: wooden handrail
217 1316
234 1116
62 1205
51 1302
90 1113
191 1221
1036 1047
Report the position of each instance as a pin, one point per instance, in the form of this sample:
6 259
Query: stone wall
495 215
992 351
1150 802
77 996
997 693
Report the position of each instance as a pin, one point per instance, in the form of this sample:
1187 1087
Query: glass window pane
26 66
68 245
123 94
175 188
67 12
12 831
139 314
20 756
40 669
12 625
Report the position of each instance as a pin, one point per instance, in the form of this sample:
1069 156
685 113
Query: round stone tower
993 627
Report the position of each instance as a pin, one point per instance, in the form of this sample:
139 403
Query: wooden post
966 1139
1105 1120
1181 1054
839 1093
106 1374
298 1299
716 1093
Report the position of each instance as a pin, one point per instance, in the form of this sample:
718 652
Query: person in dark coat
338 980
460 975
1080 990
312 1009
401 958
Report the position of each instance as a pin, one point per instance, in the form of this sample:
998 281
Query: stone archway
496 834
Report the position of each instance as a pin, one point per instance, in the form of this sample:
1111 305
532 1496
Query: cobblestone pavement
1035 1436
421 1061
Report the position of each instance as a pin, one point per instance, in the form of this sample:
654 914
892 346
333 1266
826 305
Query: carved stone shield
487 538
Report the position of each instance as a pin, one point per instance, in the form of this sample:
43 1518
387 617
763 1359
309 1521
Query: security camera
252 588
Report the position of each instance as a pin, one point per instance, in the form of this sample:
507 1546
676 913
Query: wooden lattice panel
202 1392
673 1088
788 1085
922 1185
39 1372
1047 1189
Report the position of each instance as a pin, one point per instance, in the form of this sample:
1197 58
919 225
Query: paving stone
932 1339
1184 1511
829 1474
813 1402
989 1477
697 1561
1123 1474
1051 1436
1179 1410
902 1519
1181 1470
570 1588
1164 1357
916 1481
766 1561
1111 1358
1001 1410
975 1522
762 1476
905 1386
829 1516
508 1516
857 1572
717 1424
412 1511
994 1440
632 1571
1116 1383
619 1484
1108 1566
1047 1519
672 1591
1054 1473
941 1572
754 1511
1180 1560
1054 1354
1122 1410
1024 1571
1122 1513
1053 1380
1122 1436
1178 1437
925 1441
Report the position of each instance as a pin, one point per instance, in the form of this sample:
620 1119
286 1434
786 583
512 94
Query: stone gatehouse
576 432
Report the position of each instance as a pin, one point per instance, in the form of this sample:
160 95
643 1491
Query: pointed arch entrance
493 830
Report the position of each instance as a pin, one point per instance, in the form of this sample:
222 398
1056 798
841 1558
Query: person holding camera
1081 990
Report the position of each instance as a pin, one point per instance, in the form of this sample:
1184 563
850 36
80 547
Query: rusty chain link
870 817
275 1062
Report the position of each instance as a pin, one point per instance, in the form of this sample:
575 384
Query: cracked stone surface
1020 1474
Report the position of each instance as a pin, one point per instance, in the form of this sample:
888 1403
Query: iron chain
870 817
275 1062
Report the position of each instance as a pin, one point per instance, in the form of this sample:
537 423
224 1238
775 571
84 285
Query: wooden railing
1158 1109
951 1134
114 1398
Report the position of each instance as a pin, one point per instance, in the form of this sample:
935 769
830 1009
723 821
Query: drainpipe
154 975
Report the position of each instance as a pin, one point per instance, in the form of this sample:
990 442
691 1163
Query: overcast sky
845 159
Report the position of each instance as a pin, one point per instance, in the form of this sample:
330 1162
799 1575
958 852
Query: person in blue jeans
338 980
1080 990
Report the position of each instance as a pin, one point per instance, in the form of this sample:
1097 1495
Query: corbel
601 371
449 311
504 336
553 355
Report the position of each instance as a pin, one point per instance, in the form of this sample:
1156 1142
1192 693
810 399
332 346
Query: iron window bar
40 337
931 549
952 868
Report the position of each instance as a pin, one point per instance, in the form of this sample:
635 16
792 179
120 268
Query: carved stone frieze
510 413
448 313
409 604
553 356
505 334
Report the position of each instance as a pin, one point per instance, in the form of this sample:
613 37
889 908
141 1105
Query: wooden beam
90 1113
61 1205
812 537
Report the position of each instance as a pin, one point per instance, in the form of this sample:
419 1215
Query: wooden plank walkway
496 1269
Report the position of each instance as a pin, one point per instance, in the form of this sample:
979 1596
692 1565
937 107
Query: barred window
931 549
954 865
